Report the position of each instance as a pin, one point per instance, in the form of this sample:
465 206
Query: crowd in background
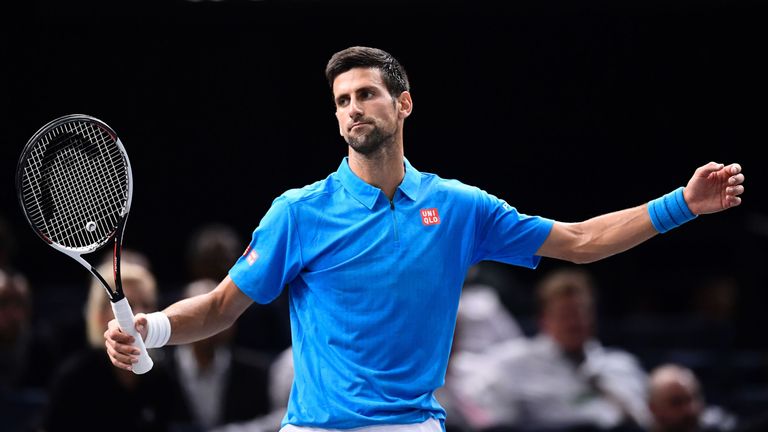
547 370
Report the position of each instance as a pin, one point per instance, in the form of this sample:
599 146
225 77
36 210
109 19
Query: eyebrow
371 88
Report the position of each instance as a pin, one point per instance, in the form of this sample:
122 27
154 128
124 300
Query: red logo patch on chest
430 216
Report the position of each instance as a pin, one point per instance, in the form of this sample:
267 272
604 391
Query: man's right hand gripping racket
74 184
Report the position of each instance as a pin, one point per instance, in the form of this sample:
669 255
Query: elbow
583 248
221 318
228 303
583 258
227 318
577 255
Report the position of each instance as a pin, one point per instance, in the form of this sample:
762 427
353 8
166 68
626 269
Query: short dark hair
393 73
565 282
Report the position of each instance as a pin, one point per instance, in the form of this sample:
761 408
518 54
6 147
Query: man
375 255
215 375
563 378
677 403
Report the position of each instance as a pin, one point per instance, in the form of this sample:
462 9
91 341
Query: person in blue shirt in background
374 257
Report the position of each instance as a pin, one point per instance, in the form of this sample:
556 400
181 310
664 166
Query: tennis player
375 254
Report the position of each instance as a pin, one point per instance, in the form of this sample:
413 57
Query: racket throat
116 295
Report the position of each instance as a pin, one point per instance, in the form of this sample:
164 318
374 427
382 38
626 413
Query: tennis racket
74 184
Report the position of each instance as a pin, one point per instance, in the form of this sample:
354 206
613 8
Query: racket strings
77 199
99 204
87 191
76 175
74 203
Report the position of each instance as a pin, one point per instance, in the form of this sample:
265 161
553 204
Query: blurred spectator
562 378
212 250
280 383
222 384
485 321
70 329
87 388
482 323
26 356
23 350
677 403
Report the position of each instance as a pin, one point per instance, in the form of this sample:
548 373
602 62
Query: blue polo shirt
374 288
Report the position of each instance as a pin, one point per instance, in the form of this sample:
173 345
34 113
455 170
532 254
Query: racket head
74 183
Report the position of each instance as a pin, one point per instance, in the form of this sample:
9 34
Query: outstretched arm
190 320
713 188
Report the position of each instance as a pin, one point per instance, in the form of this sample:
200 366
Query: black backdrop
565 110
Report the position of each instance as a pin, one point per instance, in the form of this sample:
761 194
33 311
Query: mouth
358 124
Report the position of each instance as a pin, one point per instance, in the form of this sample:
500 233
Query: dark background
565 109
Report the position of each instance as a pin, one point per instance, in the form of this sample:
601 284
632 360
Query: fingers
735 187
734 168
140 322
709 168
732 201
736 179
120 360
119 346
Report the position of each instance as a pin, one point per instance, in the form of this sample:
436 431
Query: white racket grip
124 315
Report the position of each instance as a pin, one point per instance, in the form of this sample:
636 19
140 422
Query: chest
390 234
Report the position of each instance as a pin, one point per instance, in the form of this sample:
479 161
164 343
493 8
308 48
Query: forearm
617 232
599 237
205 315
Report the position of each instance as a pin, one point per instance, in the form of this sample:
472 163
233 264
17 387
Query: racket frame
120 306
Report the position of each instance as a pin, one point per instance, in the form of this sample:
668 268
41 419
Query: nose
355 108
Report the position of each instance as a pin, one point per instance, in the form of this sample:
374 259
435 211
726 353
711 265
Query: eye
342 101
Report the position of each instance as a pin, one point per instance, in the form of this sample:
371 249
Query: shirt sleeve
503 234
273 258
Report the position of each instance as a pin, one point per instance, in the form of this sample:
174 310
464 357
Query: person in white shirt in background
280 382
483 322
222 383
562 378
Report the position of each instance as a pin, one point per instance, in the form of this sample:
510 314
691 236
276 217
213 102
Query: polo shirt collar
368 194
411 182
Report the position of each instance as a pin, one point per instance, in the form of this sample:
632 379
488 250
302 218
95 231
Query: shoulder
312 192
513 351
434 180
434 184
616 358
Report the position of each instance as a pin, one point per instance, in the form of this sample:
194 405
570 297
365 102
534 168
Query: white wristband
158 330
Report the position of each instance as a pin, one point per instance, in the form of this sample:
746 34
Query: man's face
367 114
569 321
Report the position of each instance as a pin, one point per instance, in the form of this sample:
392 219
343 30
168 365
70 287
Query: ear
404 104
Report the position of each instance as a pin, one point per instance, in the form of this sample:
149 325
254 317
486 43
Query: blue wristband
669 211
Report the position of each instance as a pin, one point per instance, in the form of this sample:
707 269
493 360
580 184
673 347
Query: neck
383 169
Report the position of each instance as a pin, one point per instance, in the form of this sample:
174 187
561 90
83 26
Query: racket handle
124 315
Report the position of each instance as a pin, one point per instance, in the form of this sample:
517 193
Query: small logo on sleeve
250 255
430 216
